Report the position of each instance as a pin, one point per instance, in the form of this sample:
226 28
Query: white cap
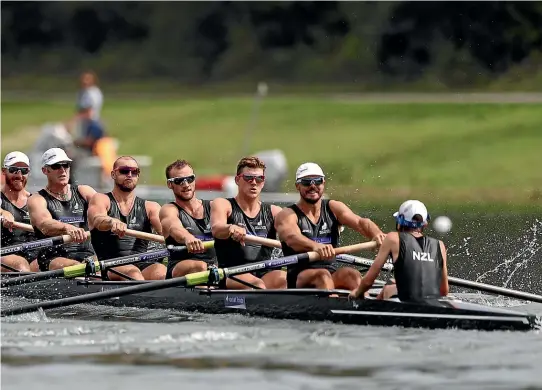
409 209
53 156
16 157
308 169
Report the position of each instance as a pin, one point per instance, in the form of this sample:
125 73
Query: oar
129 232
38 244
456 281
83 269
193 279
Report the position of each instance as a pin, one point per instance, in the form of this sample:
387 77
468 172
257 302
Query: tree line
205 42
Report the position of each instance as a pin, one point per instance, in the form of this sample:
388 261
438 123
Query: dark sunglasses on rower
126 170
179 180
250 178
24 171
57 166
310 181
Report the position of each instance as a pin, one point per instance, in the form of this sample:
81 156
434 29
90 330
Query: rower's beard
124 188
311 200
15 185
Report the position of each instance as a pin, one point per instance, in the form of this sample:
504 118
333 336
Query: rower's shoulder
152 205
36 200
285 212
87 191
221 203
100 198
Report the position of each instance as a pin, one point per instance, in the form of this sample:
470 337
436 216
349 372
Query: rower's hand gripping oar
129 232
91 267
38 244
193 279
453 281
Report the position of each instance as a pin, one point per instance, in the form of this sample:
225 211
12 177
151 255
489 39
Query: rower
233 218
16 169
60 209
186 221
420 269
110 214
313 224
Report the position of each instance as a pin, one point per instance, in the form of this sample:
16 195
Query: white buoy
442 224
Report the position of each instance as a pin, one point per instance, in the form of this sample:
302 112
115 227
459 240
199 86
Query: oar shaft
495 289
45 243
276 244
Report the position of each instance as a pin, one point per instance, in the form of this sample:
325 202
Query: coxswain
233 219
61 209
16 169
186 221
110 214
313 224
419 261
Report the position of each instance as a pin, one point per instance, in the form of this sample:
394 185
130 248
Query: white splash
521 259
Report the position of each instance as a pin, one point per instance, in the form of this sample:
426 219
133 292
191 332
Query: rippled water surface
109 348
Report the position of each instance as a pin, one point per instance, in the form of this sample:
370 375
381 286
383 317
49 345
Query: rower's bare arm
171 224
153 211
87 192
444 287
289 232
97 213
42 219
368 280
220 210
347 217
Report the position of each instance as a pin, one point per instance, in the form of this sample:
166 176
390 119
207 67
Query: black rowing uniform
231 253
109 246
73 212
324 231
199 228
17 236
418 268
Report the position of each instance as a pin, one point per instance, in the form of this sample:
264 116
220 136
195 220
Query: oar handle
263 241
145 236
23 226
129 232
340 250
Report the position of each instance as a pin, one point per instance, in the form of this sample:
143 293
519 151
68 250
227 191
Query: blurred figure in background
87 129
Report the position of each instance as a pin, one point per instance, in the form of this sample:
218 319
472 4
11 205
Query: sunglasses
250 178
57 166
24 171
127 170
179 180
310 181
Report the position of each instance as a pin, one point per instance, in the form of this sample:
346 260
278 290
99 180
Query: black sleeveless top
418 268
73 212
20 214
199 228
108 245
230 253
325 231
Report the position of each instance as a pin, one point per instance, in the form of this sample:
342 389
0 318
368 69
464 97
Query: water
162 348
87 347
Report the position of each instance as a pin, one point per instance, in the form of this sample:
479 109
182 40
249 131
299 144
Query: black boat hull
296 304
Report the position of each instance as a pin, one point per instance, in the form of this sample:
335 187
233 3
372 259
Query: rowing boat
292 304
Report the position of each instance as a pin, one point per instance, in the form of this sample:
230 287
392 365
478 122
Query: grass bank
447 153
